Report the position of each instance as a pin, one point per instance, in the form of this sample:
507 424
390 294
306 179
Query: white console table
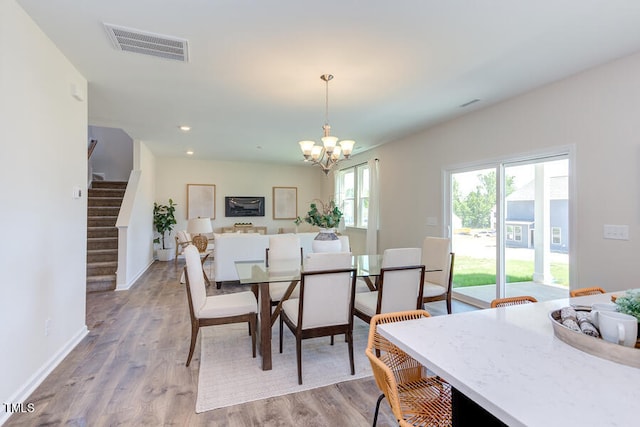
509 362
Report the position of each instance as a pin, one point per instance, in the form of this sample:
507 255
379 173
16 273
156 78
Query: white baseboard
39 376
130 283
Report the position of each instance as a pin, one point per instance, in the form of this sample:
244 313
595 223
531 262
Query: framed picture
201 201
285 202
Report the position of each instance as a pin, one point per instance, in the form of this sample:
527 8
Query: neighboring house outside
520 224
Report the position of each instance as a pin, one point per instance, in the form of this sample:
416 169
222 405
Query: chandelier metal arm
325 164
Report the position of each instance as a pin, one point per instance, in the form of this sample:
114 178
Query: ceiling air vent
132 40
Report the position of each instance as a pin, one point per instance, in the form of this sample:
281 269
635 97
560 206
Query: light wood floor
130 371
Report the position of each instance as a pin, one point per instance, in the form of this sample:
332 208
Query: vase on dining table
326 241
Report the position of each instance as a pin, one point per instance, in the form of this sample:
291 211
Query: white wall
595 111
44 155
113 154
135 223
137 254
237 179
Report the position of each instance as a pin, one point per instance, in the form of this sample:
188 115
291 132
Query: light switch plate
616 232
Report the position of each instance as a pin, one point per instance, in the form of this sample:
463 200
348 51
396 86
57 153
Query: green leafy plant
322 215
629 303
163 220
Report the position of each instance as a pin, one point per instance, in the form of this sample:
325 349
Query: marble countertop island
508 361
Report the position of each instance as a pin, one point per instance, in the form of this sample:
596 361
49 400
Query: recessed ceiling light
189 153
185 128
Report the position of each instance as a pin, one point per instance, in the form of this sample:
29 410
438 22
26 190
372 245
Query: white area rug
229 375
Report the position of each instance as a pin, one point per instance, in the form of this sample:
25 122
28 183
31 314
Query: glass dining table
259 276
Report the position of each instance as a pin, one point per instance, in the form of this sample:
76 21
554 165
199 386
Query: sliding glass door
473 227
510 229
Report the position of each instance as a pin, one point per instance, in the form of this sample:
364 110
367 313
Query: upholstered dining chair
509 301
325 305
436 256
593 290
415 397
216 309
284 251
399 285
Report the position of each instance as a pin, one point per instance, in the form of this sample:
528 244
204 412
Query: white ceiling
251 89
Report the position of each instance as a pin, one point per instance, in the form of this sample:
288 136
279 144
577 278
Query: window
517 233
514 233
352 195
556 236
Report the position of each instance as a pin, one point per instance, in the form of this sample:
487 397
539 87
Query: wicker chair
414 397
507 302
594 290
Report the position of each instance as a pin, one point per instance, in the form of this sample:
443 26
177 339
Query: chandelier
326 155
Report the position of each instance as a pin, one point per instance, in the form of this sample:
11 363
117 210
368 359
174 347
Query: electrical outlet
432 221
47 327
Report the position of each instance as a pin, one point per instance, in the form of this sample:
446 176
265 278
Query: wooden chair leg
194 335
449 303
349 337
253 325
281 324
299 358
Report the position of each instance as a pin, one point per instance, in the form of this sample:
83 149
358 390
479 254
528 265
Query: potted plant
327 216
629 303
163 221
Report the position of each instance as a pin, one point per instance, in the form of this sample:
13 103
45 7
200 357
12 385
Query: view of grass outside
475 220
470 271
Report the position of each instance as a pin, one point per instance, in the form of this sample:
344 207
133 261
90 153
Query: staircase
103 206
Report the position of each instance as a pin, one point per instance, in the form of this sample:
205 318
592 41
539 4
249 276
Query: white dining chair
399 285
215 309
436 255
325 304
284 253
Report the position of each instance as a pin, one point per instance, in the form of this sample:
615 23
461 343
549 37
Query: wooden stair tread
103 207
101 278
102 264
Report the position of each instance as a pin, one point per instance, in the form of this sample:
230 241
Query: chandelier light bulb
316 151
329 143
347 147
335 155
306 147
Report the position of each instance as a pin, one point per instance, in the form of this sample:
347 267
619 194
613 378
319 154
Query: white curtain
374 208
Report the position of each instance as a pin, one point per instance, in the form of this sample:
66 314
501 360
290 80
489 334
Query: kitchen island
508 362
